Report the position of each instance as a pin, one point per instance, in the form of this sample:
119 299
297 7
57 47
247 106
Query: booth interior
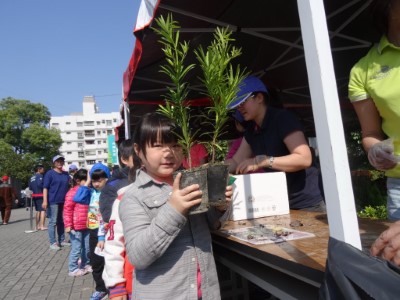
269 34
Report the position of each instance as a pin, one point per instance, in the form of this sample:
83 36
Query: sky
56 52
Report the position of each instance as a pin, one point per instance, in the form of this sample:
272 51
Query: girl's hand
228 195
100 244
184 199
246 166
67 229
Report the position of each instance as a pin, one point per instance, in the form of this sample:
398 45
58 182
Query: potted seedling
221 80
175 106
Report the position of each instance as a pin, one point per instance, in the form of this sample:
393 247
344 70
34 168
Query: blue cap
72 168
248 86
100 166
57 157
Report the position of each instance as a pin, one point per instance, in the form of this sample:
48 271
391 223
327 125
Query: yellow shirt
377 76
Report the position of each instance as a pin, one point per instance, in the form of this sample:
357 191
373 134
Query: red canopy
268 33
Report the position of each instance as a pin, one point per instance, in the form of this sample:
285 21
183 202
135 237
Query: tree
25 138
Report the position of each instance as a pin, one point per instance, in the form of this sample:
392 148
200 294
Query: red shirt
198 153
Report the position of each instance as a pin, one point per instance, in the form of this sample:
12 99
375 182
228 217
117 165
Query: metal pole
29 197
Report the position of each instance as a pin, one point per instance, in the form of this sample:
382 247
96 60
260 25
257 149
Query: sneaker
65 244
98 296
88 269
77 273
55 247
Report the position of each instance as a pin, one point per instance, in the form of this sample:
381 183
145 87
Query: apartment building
88 137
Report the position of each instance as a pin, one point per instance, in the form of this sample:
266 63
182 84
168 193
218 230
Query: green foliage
221 149
368 192
25 138
175 53
373 212
355 151
376 175
221 81
16 116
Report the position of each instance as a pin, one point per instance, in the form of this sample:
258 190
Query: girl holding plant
170 249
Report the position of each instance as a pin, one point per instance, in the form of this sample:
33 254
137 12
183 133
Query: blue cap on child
100 166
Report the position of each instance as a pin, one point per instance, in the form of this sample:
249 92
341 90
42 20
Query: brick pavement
29 270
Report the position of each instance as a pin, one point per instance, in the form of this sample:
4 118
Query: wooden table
288 270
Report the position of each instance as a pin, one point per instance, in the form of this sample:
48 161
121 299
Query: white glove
380 155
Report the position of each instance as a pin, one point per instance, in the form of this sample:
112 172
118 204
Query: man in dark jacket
7 196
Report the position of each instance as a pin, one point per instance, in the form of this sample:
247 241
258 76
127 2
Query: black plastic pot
196 176
217 180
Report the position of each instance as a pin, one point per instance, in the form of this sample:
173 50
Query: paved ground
29 270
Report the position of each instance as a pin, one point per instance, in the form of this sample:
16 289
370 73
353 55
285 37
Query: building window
104 141
89 142
68 132
98 132
68 123
99 152
79 124
80 145
89 133
109 132
81 164
91 162
103 121
109 123
90 152
88 123
98 142
68 143
98 122
115 120
69 153
81 154
80 135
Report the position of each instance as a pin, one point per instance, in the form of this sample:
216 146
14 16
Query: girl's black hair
81 174
380 10
132 170
154 127
125 150
98 174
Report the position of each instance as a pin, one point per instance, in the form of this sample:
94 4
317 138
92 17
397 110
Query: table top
308 252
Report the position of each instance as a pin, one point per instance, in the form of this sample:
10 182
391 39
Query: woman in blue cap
276 142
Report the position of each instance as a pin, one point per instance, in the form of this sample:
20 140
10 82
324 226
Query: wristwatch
271 161
261 158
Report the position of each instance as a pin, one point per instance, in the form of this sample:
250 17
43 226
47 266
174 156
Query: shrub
373 212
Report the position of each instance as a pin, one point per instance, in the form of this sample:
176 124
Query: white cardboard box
259 195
